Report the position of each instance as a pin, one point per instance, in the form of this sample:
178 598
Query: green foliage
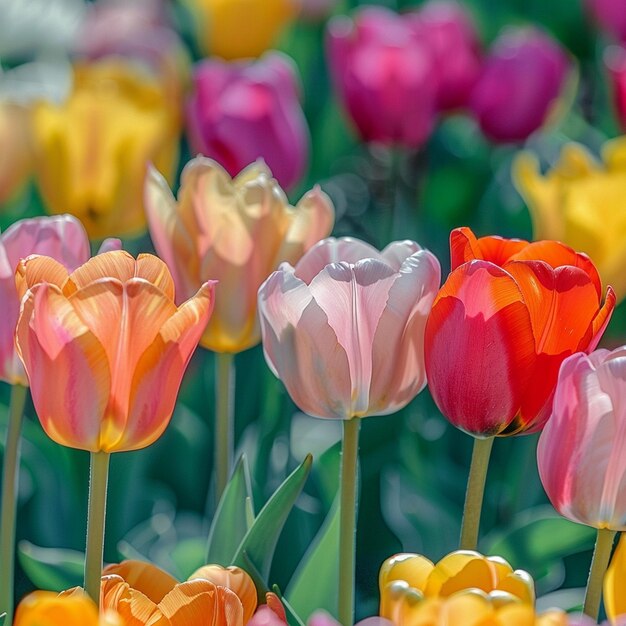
53 569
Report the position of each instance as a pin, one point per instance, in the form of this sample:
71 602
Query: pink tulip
522 78
610 15
615 61
385 76
61 237
452 38
344 330
241 111
581 457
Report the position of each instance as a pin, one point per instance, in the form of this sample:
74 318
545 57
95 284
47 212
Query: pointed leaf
260 541
293 618
2 618
316 581
230 523
51 568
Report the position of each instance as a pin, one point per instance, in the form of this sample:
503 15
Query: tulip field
312 313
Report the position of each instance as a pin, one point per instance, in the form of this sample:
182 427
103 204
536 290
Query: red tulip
522 78
505 319
384 75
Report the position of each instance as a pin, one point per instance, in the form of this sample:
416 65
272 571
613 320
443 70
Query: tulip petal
116 264
52 338
397 252
134 607
614 597
162 367
413 568
36 269
302 349
45 608
353 297
465 246
145 577
600 322
402 324
480 311
463 569
332 250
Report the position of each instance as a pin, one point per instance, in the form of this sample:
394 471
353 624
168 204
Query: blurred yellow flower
614 581
581 202
470 608
15 149
73 608
238 29
92 151
407 580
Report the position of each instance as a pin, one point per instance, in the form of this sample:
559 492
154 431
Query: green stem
10 479
347 520
475 491
98 478
224 419
599 563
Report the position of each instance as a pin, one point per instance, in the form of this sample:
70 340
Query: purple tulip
610 16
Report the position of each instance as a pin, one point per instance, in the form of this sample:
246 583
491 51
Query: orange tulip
72 608
105 347
145 595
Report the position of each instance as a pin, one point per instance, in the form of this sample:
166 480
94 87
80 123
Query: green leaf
230 523
260 541
293 619
52 569
2 618
314 584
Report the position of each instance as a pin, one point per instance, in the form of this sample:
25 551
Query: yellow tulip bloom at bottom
582 202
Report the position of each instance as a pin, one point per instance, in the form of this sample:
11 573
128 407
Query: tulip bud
523 76
385 76
242 111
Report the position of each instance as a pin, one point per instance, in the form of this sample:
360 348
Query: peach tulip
234 230
61 237
105 347
344 330
581 450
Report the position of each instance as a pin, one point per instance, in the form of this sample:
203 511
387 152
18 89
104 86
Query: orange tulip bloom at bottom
105 347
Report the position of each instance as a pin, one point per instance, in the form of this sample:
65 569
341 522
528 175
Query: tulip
615 62
242 111
239 29
329 327
523 76
581 452
614 598
45 608
456 572
212 596
237 231
452 38
579 202
513 312
16 154
610 16
64 239
385 75
93 149
105 349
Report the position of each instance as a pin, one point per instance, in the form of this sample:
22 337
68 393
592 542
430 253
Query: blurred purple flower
610 16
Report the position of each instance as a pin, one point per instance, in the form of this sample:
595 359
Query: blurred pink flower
241 111
451 36
581 450
384 74
61 237
523 76
344 330
615 61
610 16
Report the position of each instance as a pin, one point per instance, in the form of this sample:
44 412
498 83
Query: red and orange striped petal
52 338
479 384
465 246
600 322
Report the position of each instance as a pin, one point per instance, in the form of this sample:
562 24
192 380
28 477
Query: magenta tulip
610 16
61 237
451 36
581 457
615 61
241 111
523 76
344 330
385 76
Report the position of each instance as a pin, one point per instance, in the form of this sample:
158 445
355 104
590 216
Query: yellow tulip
614 581
580 201
93 150
73 608
238 29
15 149
407 580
